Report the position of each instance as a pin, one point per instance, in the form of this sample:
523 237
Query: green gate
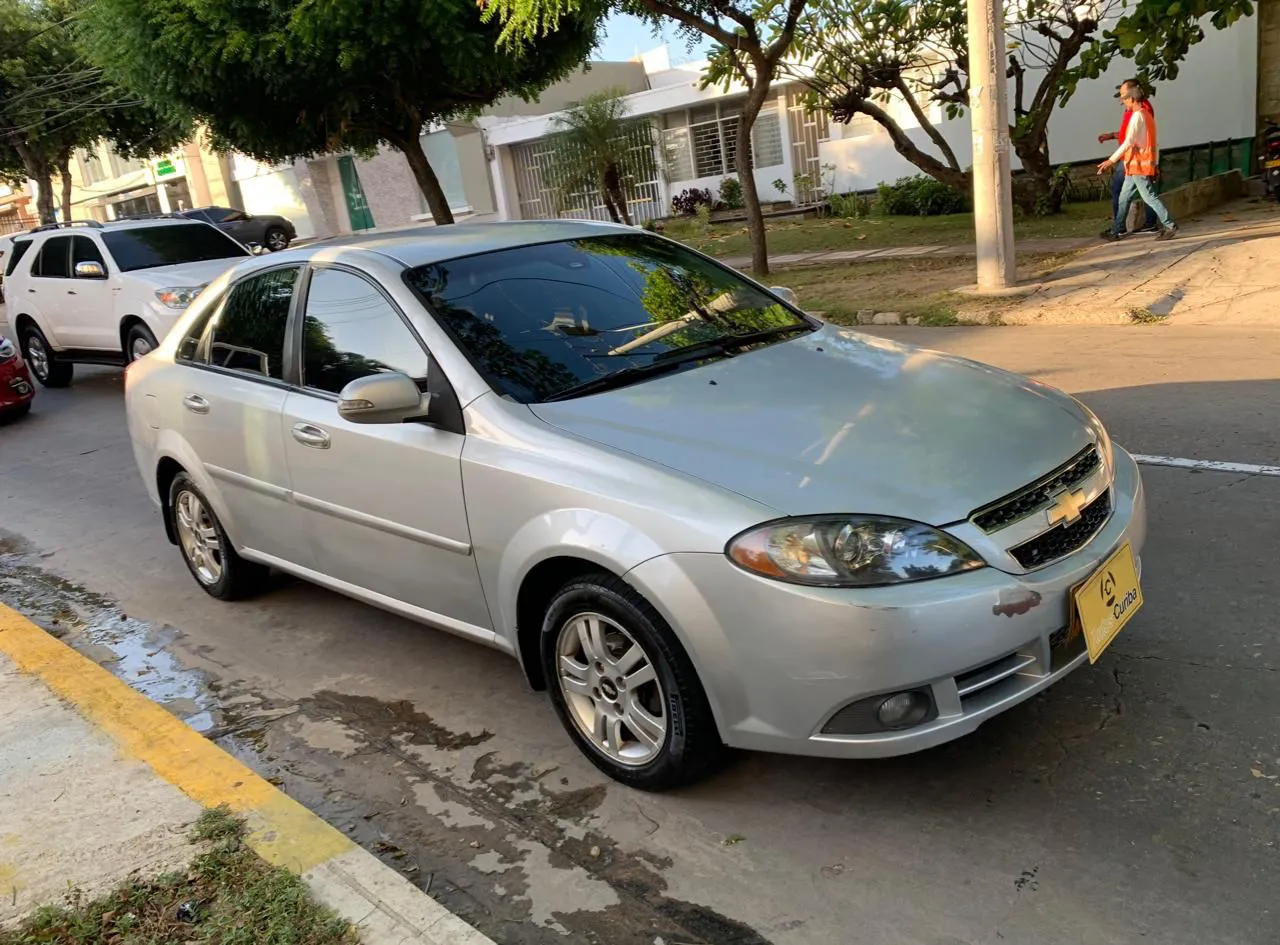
357 206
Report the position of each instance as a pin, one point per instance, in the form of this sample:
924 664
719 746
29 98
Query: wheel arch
127 323
537 589
166 471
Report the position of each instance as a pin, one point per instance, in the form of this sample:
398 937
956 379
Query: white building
1214 99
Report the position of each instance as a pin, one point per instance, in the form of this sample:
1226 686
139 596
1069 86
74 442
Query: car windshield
147 247
543 321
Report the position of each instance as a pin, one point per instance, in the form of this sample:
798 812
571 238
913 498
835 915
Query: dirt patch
921 288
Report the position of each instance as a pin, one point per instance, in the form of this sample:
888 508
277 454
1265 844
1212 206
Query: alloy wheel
611 689
198 537
139 347
38 357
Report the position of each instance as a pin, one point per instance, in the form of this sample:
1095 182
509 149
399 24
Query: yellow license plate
1275 162
1108 601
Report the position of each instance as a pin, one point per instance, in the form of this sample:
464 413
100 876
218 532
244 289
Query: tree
872 51
52 101
754 37
593 147
281 79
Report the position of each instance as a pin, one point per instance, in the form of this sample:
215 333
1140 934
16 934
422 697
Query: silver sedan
700 518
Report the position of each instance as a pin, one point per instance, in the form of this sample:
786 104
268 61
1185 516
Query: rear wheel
205 547
138 342
624 688
49 371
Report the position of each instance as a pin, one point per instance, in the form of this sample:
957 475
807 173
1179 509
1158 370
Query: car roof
420 246
111 226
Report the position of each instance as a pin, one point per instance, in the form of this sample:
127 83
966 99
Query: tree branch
926 124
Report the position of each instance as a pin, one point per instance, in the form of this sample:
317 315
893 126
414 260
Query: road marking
1209 465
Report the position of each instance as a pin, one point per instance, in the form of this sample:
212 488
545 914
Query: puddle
514 848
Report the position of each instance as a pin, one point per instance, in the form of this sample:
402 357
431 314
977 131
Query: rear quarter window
19 249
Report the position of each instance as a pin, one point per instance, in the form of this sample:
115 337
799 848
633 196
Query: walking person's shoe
1149 228
1111 236
1169 232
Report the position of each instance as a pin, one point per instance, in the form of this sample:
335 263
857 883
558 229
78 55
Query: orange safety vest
1140 161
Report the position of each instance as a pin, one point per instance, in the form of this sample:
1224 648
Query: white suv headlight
179 297
850 551
7 349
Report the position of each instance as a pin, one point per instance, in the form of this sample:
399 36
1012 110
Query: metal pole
989 105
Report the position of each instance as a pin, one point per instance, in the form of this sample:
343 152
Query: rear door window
248 333
54 261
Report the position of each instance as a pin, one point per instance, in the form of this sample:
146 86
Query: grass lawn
820 235
226 897
922 287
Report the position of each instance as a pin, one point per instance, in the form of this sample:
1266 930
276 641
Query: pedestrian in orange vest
1140 152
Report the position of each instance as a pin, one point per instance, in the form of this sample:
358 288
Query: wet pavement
1136 801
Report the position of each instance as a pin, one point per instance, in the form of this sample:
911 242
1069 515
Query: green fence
1179 166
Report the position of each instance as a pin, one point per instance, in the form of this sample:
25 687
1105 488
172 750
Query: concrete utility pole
989 108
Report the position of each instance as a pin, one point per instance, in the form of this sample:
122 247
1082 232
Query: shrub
687 202
780 186
731 193
921 196
850 206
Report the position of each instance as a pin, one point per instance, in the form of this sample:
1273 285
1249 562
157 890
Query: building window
122 166
90 165
703 142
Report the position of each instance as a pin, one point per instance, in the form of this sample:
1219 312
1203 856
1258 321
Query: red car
16 389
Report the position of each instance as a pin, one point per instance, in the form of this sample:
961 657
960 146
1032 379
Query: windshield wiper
728 344
630 375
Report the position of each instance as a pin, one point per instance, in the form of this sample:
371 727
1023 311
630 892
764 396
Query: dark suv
273 232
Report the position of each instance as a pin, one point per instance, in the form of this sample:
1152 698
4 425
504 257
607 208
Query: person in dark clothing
1150 224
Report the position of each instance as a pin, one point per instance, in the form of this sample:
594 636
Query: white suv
106 293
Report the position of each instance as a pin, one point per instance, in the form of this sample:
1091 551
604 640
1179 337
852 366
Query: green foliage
52 100
780 186
850 206
690 200
920 196
731 193
279 79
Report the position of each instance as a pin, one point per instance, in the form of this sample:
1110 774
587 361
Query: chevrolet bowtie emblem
1067 507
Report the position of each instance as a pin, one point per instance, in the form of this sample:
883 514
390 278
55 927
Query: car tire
275 239
138 342
47 369
205 547
655 734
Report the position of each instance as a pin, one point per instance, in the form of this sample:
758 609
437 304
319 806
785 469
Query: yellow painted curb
281 831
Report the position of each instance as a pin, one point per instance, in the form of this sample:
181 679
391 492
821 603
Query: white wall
1213 99
277 192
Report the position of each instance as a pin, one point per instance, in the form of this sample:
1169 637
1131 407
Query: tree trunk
607 196
426 177
64 175
617 195
1035 190
39 170
746 173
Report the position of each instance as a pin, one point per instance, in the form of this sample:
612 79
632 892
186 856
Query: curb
383 906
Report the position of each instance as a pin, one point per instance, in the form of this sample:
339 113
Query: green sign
165 168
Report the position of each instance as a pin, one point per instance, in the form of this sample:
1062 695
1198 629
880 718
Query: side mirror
90 270
257 249
787 295
382 398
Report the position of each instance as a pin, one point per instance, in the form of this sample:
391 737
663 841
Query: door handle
32 291
71 291
195 403
311 436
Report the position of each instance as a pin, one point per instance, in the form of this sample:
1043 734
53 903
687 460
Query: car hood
186 274
837 421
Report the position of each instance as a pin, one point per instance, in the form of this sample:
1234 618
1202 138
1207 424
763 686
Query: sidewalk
825 257
1222 269
101 785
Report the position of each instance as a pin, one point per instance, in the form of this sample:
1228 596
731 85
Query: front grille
1060 541
1013 508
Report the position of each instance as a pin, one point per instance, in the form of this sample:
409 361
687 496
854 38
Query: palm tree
595 147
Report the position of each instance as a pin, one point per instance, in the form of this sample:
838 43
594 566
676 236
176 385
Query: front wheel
624 688
49 371
138 342
276 239
205 547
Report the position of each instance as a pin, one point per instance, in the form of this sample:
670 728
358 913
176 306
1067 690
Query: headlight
179 296
7 349
1100 435
850 551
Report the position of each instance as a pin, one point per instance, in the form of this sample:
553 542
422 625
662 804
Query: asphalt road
1137 801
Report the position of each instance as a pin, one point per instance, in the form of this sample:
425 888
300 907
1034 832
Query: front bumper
16 388
778 661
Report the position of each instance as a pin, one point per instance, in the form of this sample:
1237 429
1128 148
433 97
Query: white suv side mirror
90 270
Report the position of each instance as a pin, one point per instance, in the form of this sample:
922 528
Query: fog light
903 709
